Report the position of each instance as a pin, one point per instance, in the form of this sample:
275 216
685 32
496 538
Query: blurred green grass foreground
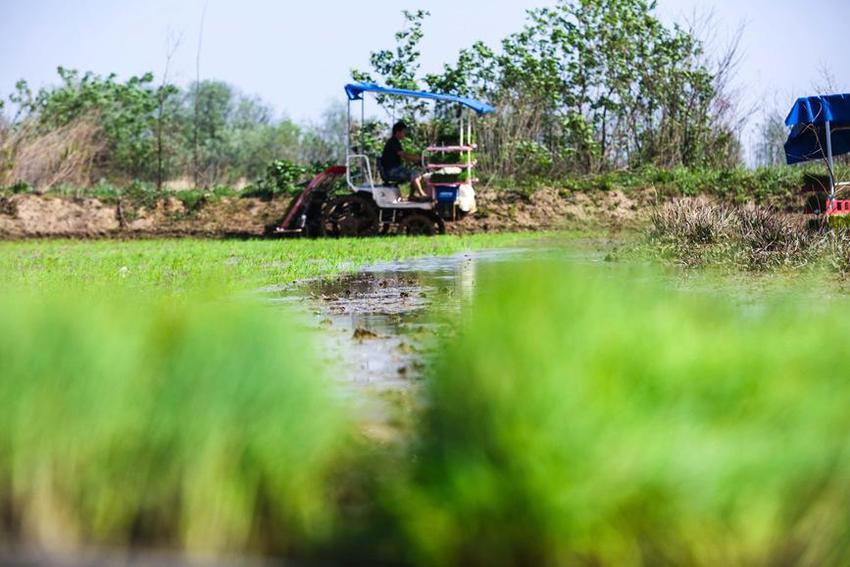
580 416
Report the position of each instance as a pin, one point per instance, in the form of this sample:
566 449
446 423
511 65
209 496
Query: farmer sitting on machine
393 163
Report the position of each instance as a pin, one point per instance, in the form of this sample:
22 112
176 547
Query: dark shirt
390 158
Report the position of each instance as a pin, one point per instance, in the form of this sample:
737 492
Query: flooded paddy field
381 326
406 410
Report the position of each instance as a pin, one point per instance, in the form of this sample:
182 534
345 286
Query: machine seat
388 180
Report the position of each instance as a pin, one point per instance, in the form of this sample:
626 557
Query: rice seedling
179 265
595 417
137 419
146 401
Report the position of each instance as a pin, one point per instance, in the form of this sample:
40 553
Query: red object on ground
837 207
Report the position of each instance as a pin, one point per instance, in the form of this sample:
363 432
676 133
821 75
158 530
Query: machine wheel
313 224
351 215
421 224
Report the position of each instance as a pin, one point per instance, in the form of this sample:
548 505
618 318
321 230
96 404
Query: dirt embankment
35 216
551 209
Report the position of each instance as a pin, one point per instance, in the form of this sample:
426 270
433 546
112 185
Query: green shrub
536 159
16 188
105 192
140 194
779 187
838 221
20 187
282 177
588 417
194 199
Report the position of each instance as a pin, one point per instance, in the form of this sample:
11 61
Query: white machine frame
389 196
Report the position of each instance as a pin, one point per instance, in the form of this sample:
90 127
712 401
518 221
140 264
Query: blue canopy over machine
355 92
820 129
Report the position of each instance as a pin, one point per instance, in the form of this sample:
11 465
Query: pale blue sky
297 55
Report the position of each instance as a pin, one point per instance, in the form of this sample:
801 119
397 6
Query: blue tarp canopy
355 92
808 119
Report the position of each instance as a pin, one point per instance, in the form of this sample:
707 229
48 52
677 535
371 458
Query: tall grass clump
772 240
590 417
134 419
44 159
692 221
697 231
692 229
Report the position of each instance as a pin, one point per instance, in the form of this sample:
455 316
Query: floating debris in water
362 334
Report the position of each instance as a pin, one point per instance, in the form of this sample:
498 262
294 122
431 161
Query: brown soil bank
39 216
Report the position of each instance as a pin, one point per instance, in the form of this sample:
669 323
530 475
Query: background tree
324 141
164 93
772 133
585 86
399 67
255 138
124 113
213 105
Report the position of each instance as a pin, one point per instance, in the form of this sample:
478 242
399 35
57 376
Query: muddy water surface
379 324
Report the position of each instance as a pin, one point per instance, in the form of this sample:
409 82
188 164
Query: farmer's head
400 130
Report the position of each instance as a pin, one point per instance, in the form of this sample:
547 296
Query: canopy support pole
348 135
829 160
362 126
